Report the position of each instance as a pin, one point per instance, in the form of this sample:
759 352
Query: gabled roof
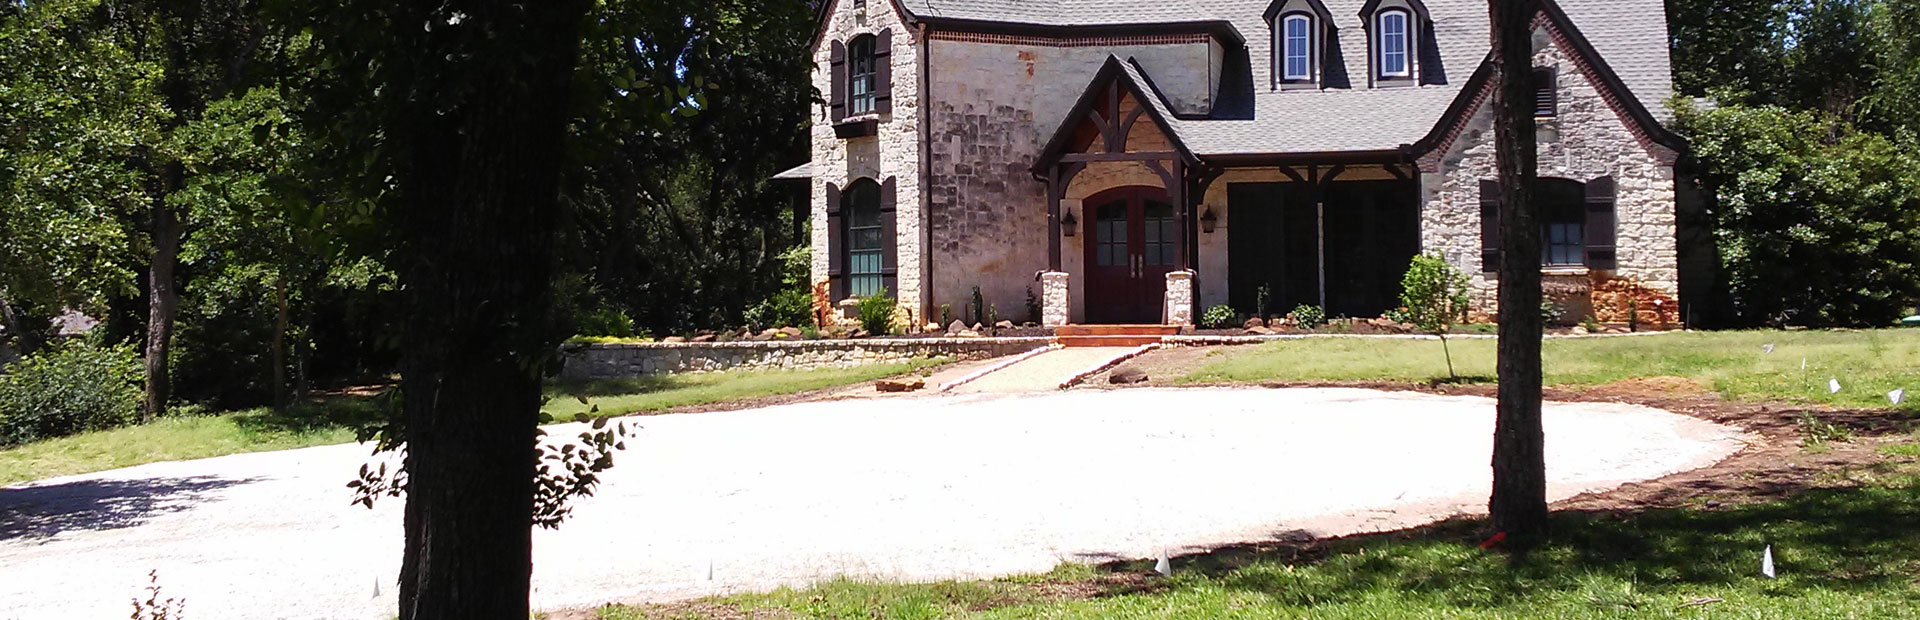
1131 80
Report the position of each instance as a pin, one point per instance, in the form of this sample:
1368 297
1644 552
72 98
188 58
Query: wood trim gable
1105 90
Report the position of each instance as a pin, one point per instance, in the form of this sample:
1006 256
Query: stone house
1134 161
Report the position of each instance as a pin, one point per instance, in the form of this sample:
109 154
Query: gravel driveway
904 489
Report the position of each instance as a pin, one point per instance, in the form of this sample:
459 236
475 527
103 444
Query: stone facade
1055 298
1179 304
894 152
620 361
1590 137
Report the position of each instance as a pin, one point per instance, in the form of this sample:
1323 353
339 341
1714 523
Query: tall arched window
1296 56
865 246
860 75
1393 33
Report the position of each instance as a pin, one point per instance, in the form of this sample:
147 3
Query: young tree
1433 297
1519 501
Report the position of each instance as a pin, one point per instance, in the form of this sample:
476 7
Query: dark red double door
1131 245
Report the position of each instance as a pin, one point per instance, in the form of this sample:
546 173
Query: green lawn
174 438
200 436
1868 363
1849 551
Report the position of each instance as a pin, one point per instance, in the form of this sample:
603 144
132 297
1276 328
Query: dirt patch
1163 366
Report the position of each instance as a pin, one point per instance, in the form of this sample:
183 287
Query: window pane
1393 43
1296 46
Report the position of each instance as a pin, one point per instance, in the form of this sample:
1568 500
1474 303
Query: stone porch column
1053 299
1179 308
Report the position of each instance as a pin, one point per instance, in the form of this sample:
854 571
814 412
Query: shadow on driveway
92 505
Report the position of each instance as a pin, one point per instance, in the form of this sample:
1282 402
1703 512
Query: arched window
1296 45
1394 36
860 75
865 246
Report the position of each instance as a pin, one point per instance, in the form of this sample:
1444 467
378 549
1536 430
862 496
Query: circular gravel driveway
914 488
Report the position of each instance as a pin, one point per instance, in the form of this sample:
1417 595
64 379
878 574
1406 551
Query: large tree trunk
1519 501
484 153
162 300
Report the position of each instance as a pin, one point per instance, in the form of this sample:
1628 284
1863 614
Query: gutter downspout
926 173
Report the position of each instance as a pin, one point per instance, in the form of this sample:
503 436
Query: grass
658 393
1841 552
1868 363
181 437
186 437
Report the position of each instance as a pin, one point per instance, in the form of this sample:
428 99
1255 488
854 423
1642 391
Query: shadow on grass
350 412
40 512
617 387
1837 539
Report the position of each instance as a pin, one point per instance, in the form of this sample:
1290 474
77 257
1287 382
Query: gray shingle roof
1630 36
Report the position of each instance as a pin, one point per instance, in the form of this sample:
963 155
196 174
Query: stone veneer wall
893 152
994 102
620 361
1587 139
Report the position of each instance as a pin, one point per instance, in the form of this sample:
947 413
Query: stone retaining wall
620 361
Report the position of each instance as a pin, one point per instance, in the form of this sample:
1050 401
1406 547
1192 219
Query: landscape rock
1259 331
1255 322
956 327
673 339
902 384
931 328
967 333
793 332
858 332
1003 325
1126 375
978 327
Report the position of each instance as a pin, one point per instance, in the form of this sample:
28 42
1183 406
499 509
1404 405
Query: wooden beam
1053 218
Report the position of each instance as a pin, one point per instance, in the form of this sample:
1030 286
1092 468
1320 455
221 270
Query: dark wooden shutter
837 76
836 245
1600 224
1546 94
883 72
889 240
1489 226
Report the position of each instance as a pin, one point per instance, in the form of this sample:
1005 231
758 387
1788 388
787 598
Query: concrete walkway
1046 371
918 488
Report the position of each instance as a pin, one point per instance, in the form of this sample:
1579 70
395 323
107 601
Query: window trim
1406 43
870 61
1286 51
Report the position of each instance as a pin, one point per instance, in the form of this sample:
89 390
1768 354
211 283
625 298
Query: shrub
1552 313
603 320
1035 314
1260 298
792 305
1217 317
1434 295
66 389
876 313
1309 316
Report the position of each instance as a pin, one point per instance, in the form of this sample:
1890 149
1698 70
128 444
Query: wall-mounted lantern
1068 223
1207 220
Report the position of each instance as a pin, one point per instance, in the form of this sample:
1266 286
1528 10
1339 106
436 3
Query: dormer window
1394 34
1296 56
860 76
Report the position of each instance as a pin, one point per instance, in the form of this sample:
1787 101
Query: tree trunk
479 219
162 299
280 343
1519 501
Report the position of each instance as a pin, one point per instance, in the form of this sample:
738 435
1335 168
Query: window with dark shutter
1489 226
889 239
1563 222
837 83
860 76
883 72
1600 223
1546 94
836 244
865 253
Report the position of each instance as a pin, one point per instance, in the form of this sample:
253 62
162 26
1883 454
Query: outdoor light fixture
1207 220
1068 223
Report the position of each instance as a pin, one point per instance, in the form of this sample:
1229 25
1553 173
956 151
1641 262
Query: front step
1112 335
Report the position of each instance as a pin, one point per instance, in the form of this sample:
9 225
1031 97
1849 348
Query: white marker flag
1897 395
1833 386
1164 567
1766 562
1768 347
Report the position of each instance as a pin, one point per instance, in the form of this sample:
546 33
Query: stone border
629 360
1103 366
